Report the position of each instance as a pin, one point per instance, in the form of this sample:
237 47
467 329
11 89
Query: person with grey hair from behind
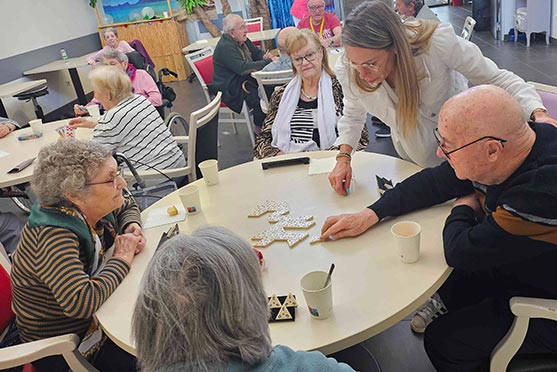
202 307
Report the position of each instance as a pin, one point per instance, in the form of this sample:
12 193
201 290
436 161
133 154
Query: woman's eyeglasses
300 60
114 181
366 66
447 154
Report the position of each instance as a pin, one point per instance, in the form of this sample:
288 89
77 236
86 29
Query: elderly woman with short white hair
202 307
61 273
131 124
110 35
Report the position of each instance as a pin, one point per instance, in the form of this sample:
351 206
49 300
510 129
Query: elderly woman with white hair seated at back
202 307
131 124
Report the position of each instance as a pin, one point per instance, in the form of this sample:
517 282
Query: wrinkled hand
326 43
125 246
341 176
82 123
542 117
469 200
268 55
345 225
78 111
134 229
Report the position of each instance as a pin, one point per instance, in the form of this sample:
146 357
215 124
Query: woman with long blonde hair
402 73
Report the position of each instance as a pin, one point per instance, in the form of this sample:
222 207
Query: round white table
19 151
372 288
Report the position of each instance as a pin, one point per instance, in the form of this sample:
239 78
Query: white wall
29 25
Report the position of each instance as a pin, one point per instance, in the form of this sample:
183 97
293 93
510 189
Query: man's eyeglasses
114 181
300 60
368 67
439 140
316 7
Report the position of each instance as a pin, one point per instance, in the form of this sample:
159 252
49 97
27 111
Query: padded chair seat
533 363
37 92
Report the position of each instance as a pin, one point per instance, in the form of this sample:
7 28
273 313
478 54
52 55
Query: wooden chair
267 81
197 120
24 354
468 28
201 62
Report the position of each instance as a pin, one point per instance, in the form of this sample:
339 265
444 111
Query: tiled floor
397 349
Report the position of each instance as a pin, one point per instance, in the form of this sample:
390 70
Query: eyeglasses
316 7
447 154
366 66
300 60
114 181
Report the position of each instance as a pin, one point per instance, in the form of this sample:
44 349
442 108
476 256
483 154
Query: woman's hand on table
341 177
82 123
346 225
5 130
134 229
125 246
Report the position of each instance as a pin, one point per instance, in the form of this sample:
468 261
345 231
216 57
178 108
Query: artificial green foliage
190 4
92 3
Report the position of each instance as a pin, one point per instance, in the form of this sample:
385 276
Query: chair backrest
254 25
468 27
198 119
201 62
548 94
271 79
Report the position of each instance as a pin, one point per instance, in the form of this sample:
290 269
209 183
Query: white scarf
326 116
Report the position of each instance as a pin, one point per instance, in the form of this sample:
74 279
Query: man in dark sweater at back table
234 59
501 235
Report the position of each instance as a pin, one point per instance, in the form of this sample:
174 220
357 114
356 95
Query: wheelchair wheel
177 124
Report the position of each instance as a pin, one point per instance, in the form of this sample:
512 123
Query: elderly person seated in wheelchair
61 274
110 35
142 82
303 115
131 125
202 307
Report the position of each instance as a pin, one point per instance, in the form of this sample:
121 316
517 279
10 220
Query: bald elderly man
500 236
283 62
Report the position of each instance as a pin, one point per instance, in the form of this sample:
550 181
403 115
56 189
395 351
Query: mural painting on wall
120 11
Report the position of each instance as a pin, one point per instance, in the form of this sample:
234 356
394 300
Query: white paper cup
210 171
94 111
189 195
407 238
36 126
165 14
318 298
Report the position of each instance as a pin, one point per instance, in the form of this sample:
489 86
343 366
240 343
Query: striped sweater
52 293
135 128
519 229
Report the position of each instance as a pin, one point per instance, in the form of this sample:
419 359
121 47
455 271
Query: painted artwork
119 11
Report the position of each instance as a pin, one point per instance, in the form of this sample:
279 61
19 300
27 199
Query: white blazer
448 53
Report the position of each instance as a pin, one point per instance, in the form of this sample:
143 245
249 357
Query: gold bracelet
533 114
344 155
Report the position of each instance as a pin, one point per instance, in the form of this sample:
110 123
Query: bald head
484 110
283 35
